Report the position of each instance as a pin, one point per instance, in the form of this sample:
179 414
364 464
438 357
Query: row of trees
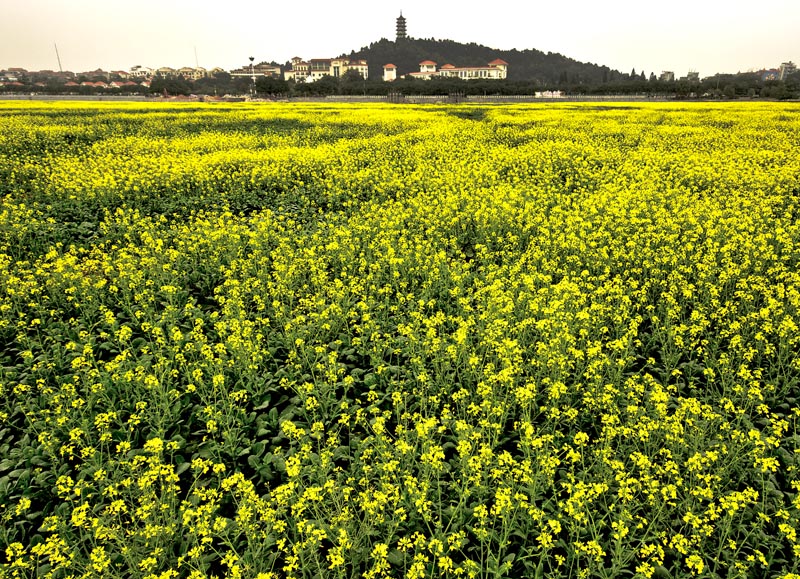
746 85
589 81
723 86
219 84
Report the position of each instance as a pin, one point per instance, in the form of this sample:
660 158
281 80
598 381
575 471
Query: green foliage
170 85
370 341
524 65
272 86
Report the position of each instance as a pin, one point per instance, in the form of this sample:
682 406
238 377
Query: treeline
743 85
718 86
219 84
709 88
746 85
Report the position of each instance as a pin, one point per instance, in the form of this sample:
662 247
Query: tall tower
401 27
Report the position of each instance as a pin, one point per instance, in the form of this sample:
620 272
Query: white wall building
260 69
141 71
497 69
316 68
190 73
389 72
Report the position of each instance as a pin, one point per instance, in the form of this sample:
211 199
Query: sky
699 35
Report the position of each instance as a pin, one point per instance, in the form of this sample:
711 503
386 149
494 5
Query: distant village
298 70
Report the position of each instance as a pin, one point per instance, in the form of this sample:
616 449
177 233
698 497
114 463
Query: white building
299 71
260 69
319 67
190 73
141 71
316 68
340 66
497 69
389 72
427 70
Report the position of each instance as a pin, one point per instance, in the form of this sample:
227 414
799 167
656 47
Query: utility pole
58 57
253 77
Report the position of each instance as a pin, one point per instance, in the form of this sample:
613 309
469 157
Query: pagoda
401 27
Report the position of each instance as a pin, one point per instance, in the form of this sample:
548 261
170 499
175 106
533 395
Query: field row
374 341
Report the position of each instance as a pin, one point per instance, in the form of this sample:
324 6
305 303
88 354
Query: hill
524 65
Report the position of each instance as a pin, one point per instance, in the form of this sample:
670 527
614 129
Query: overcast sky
702 35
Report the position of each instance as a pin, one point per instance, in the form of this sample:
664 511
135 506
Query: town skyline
618 34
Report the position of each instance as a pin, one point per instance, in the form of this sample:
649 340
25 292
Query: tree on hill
545 69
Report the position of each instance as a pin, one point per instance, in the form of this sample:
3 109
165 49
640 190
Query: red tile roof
499 61
428 62
447 67
390 65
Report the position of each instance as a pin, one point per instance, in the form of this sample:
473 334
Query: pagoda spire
401 27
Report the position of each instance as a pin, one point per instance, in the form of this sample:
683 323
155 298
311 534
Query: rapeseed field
309 341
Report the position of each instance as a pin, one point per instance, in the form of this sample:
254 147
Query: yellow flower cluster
283 341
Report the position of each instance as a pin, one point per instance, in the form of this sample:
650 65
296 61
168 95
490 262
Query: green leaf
396 557
18 473
266 403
